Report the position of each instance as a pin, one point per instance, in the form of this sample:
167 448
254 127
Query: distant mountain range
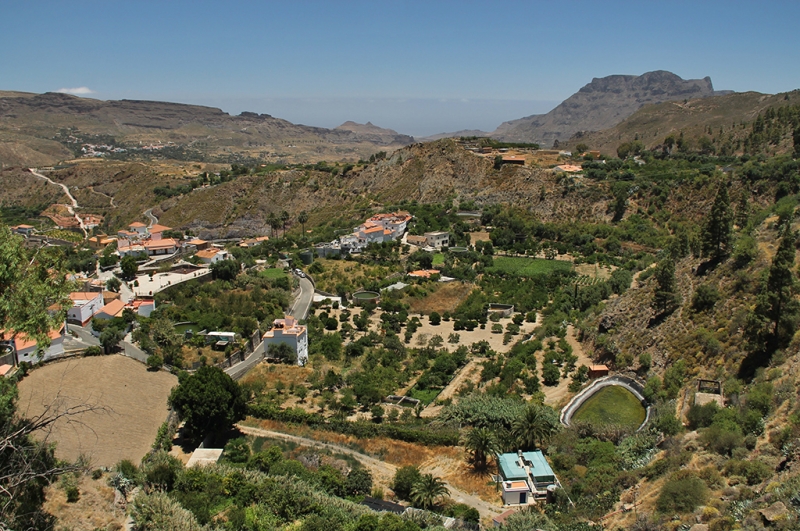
40 129
45 128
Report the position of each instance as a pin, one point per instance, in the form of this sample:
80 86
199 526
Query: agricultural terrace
132 405
527 267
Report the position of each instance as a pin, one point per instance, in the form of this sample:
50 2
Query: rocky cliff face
601 104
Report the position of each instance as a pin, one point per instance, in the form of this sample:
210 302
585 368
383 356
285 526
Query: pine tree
742 210
666 296
718 230
774 319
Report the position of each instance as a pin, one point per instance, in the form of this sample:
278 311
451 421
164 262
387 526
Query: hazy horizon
417 67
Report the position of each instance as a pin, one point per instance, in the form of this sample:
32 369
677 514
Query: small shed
204 456
598 371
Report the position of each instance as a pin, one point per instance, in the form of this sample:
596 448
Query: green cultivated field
272 273
525 267
611 405
438 259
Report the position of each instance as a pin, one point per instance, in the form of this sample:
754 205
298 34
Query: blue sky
419 67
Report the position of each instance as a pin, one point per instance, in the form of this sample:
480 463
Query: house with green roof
525 476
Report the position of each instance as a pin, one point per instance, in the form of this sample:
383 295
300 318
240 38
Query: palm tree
535 427
272 221
302 217
284 218
481 443
427 490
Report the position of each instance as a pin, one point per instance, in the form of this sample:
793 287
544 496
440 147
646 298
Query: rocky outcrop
601 104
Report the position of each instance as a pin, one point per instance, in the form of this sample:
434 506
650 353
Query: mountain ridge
600 104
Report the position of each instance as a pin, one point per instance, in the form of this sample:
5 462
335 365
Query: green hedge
359 429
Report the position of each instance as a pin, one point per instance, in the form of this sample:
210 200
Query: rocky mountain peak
603 103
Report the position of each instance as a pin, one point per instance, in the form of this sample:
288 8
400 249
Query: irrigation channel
612 399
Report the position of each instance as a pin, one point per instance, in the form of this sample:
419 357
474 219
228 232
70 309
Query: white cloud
77 90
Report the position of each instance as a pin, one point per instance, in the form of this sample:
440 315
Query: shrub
721 440
154 362
705 297
404 480
683 493
754 471
237 450
701 416
93 351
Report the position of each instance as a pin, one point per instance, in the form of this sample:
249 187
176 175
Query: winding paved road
70 208
302 303
153 219
382 467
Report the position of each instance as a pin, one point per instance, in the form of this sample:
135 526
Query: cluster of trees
257 490
240 304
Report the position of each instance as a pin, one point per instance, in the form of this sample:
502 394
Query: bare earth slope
601 104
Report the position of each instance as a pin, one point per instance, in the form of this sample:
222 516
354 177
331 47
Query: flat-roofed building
438 239
289 331
84 305
525 476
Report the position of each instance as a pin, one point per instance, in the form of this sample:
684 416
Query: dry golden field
133 402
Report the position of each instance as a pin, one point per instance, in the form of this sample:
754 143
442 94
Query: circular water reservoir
614 400
362 297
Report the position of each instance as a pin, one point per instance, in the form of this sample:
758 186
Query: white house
288 331
26 349
525 477
84 305
24 230
111 310
139 228
126 247
161 247
212 256
438 239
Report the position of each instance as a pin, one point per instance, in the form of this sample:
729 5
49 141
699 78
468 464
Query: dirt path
470 371
71 208
556 395
110 199
377 467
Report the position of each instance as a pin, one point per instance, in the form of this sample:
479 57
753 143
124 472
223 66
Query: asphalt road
302 303
240 369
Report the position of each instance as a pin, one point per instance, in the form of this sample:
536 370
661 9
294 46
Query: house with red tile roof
27 349
111 310
160 247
